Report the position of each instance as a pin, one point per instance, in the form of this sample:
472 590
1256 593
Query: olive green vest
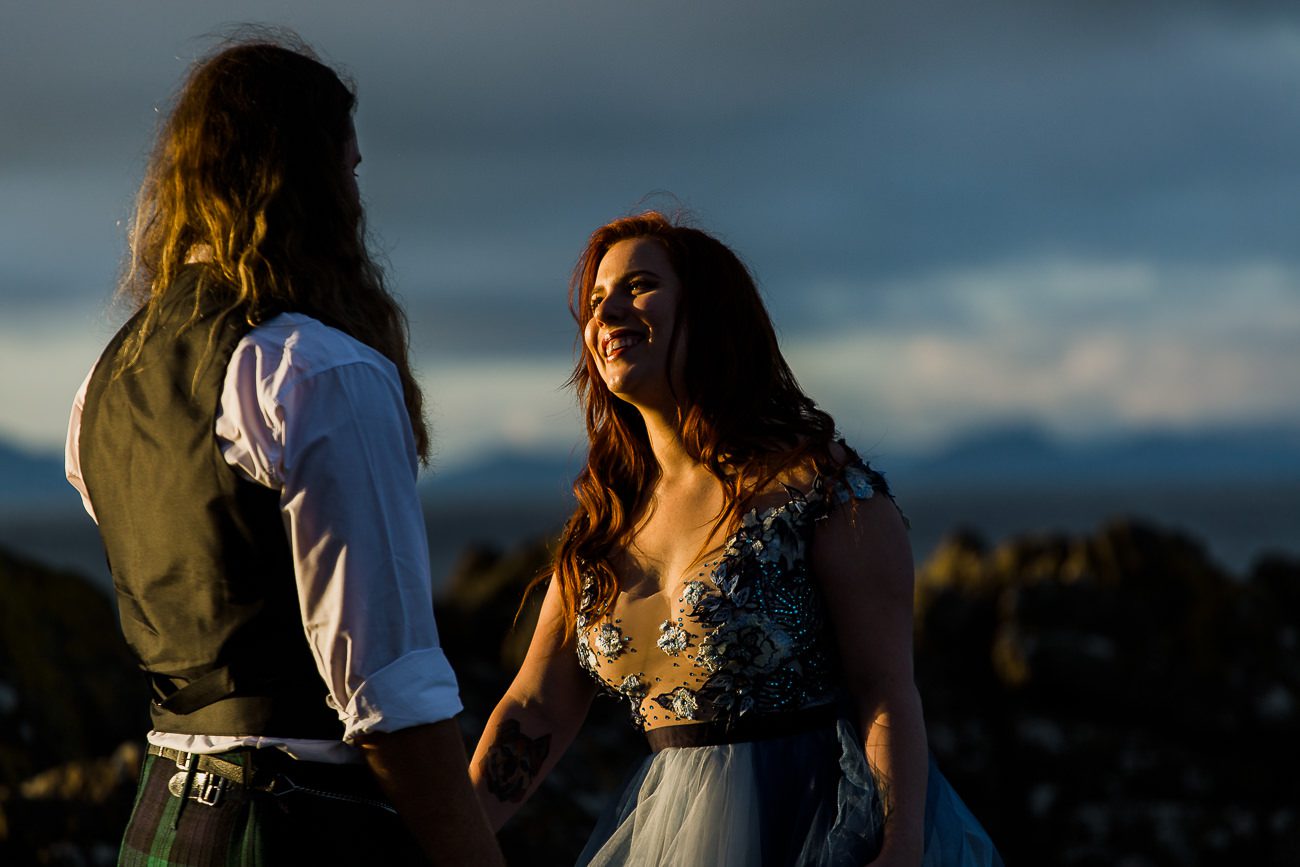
199 555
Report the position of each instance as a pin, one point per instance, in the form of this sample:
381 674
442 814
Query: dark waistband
233 766
759 727
270 772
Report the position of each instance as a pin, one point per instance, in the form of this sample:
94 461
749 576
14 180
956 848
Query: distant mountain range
540 475
1025 455
32 478
1020 455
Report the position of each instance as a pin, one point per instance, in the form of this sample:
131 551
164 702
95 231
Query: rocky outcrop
1116 697
70 695
71 814
1100 699
66 676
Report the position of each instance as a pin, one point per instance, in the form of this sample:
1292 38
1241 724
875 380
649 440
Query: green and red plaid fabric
256 829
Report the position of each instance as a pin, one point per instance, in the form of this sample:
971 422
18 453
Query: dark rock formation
1115 698
65 672
71 814
1106 699
69 695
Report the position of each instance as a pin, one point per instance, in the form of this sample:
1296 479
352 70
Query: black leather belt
227 770
207 778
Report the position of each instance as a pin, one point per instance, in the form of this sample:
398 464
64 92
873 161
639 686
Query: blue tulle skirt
807 799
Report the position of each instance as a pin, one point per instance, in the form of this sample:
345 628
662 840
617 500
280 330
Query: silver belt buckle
207 788
210 789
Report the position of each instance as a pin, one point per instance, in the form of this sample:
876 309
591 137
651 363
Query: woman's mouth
619 341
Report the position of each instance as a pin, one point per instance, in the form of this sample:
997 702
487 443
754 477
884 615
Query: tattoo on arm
514 761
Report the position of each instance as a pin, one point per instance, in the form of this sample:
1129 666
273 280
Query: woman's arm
863 563
536 719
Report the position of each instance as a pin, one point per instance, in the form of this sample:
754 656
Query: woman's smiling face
632 330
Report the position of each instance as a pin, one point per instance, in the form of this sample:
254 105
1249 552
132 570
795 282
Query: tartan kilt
252 828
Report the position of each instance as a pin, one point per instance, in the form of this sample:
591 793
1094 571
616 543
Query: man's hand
424 771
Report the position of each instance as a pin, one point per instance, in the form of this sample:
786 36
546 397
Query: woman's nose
610 309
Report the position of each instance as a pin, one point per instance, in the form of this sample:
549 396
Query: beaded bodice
746 634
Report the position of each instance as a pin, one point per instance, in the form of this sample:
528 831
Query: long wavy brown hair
248 169
743 415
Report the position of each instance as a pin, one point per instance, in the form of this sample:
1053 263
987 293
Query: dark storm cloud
869 144
490 323
909 135
885 167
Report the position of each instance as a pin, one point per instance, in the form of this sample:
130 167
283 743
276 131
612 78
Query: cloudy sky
1079 214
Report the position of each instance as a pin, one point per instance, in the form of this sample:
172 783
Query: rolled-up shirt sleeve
72 446
337 442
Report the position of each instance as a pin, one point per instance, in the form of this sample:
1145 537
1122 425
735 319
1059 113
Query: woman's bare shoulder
804 475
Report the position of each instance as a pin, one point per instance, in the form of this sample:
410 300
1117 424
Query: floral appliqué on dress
757 627
609 640
673 639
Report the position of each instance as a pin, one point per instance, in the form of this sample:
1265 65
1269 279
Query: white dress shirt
319 416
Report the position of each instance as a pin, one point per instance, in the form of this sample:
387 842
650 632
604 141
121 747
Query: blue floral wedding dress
735 682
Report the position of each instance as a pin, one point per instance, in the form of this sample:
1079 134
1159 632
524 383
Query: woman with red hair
740 577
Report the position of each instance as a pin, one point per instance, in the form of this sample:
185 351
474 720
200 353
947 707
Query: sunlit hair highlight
743 415
247 177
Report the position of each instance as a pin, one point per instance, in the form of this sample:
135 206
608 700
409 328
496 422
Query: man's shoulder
295 346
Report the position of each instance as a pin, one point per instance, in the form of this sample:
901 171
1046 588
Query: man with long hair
248 444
